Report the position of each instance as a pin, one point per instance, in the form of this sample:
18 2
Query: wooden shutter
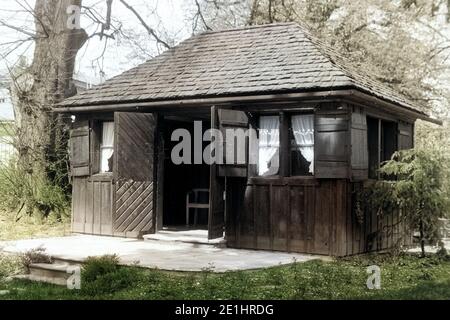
331 142
405 136
80 149
134 144
360 156
134 173
234 120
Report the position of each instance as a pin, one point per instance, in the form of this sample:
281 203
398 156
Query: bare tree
42 136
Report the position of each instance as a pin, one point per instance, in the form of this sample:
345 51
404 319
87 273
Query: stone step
196 237
68 262
34 278
49 270
54 273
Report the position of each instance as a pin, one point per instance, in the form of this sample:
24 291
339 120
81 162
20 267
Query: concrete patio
164 255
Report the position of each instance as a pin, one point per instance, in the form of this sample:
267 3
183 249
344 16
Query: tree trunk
422 240
42 136
49 80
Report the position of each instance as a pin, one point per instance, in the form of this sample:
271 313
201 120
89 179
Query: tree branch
150 30
200 14
21 30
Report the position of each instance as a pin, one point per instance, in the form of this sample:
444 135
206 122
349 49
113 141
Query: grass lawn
29 227
405 277
402 277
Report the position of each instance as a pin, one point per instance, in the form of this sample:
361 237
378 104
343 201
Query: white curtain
269 144
303 129
107 146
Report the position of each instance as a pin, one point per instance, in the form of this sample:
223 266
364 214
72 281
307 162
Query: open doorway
183 180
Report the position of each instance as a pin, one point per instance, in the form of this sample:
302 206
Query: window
389 137
269 146
302 145
382 141
107 147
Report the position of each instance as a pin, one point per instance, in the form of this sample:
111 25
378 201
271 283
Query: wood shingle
272 58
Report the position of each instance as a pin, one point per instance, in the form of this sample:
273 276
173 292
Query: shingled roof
264 59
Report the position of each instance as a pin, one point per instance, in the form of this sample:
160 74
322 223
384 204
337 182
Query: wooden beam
161 105
138 106
284 170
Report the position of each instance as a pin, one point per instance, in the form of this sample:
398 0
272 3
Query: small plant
9 265
95 267
36 255
103 275
415 188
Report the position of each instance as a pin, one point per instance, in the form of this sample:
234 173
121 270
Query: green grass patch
12 228
403 277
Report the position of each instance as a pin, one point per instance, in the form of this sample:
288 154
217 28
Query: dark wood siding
316 216
92 205
288 214
371 231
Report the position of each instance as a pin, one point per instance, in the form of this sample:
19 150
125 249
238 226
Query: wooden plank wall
373 231
92 205
286 214
306 216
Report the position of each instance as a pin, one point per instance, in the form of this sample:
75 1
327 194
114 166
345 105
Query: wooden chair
194 203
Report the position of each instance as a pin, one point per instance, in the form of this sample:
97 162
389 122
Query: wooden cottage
330 128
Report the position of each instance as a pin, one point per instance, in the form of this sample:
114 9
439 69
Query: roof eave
391 106
141 106
201 101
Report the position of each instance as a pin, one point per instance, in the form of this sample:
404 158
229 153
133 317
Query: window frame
380 147
96 141
285 135
291 138
279 144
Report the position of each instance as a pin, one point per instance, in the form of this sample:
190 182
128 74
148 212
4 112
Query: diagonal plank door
134 173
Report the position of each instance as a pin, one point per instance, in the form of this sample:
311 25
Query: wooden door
224 119
134 173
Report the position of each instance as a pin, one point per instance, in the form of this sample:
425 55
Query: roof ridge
248 27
